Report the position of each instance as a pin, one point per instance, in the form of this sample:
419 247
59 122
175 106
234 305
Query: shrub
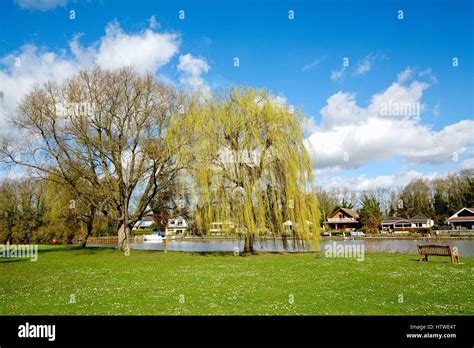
142 232
104 231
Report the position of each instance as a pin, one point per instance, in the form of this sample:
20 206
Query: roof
419 218
179 217
350 212
149 218
347 211
341 221
471 210
462 218
394 219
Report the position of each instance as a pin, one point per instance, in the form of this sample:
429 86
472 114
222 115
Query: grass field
104 282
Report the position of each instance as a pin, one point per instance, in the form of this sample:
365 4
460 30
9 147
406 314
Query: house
176 226
344 220
289 225
398 224
146 222
421 222
462 220
221 228
227 227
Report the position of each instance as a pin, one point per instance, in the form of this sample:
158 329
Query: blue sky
295 60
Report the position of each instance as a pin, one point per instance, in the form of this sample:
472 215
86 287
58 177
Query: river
408 246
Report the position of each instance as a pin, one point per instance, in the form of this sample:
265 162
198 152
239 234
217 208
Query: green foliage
141 232
35 211
104 230
153 227
60 222
22 210
439 198
250 168
370 214
8 210
441 208
416 199
344 204
327 203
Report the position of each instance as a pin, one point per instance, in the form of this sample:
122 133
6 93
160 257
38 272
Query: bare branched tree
111 136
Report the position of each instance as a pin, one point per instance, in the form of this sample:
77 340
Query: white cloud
153 22
337 74
364 65
468 163
29 66
428 74
279 99
351 136
191 70
315 63
364 183
146 51
404 75
309 125
41 5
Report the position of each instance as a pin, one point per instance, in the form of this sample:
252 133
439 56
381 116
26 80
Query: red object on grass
54 241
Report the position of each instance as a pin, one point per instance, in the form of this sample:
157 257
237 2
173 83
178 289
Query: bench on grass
437 250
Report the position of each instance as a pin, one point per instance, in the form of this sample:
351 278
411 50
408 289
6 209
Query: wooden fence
111 240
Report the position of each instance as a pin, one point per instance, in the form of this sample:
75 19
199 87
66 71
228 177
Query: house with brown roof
343 219
462 220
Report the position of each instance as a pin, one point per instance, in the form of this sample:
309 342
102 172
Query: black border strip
238 330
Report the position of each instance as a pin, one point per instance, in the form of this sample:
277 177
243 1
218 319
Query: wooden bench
437 250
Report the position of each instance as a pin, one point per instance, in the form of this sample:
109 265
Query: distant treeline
34 210
437 199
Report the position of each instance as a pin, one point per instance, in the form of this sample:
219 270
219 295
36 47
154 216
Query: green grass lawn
104 282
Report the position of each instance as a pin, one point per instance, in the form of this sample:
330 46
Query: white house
463 219
176 226
397 224
288 225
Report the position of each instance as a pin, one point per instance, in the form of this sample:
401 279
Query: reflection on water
407 246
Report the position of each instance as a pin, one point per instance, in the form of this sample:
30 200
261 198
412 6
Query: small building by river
462 220
414 224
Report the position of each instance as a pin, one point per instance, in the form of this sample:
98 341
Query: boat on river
152 238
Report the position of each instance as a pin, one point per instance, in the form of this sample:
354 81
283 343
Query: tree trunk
124 230
248 244
89 227
123 237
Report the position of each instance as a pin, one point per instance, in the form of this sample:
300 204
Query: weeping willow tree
251 174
